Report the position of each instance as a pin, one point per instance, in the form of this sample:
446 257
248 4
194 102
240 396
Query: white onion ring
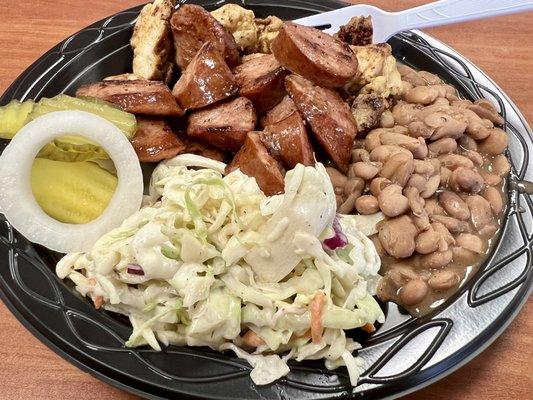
18 204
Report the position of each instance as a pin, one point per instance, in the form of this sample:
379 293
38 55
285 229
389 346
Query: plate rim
476 350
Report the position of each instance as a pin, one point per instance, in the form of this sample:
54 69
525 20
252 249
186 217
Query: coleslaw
209 260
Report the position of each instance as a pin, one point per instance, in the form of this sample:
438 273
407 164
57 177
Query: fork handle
446 12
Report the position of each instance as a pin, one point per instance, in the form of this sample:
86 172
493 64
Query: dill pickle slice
73 148
72 192
13 116
126 122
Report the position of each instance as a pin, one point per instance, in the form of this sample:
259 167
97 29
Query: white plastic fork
444 12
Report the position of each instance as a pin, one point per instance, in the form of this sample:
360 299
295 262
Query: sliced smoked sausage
281 111
135 96
206 80
192 26
262 80
254 160
328 115
315 55
288 142
155 141
223 125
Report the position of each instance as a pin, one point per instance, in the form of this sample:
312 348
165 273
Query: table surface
502 47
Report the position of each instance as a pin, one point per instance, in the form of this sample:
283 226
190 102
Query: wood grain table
502 47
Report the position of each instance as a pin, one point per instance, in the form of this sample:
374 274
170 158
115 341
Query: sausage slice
262 80
281 111
315 55
328 115
135 96
192 26
155 141
254 160
223 125
287 141
206 80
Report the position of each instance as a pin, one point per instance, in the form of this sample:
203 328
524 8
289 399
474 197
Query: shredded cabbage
215 260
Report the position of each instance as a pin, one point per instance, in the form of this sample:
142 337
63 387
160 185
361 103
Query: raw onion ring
21 209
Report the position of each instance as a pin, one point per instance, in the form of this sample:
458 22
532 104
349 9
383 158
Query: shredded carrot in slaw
252 339
317 323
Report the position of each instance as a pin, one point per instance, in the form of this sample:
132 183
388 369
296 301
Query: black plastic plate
403 355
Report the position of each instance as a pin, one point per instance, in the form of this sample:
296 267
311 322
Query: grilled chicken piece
328 115
254 160
262 80
287 141
281 111
192 26
367 110
206 80
136 96
223 125
154 140
358 31
315 55
152 41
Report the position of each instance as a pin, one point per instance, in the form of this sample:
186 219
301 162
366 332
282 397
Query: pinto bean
426 94
377 185
433 207
413 292
420 129
466 180
483 110
452 224
454 161
443 280
373 139
480 211
397 236
431 79
464 256
500 165
384 152
424 167
398 168
476 128
431 186
454 205
445 175
417 146
437 259
427 242
494 197
443 125
400 273
470 242
392 202
446 238
495 143
475 157
366 170
367 204
442 146
490 179
417 181
467 143
404 113
348 205
354 185
416 203
358 154
488 231
338 179
386 119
